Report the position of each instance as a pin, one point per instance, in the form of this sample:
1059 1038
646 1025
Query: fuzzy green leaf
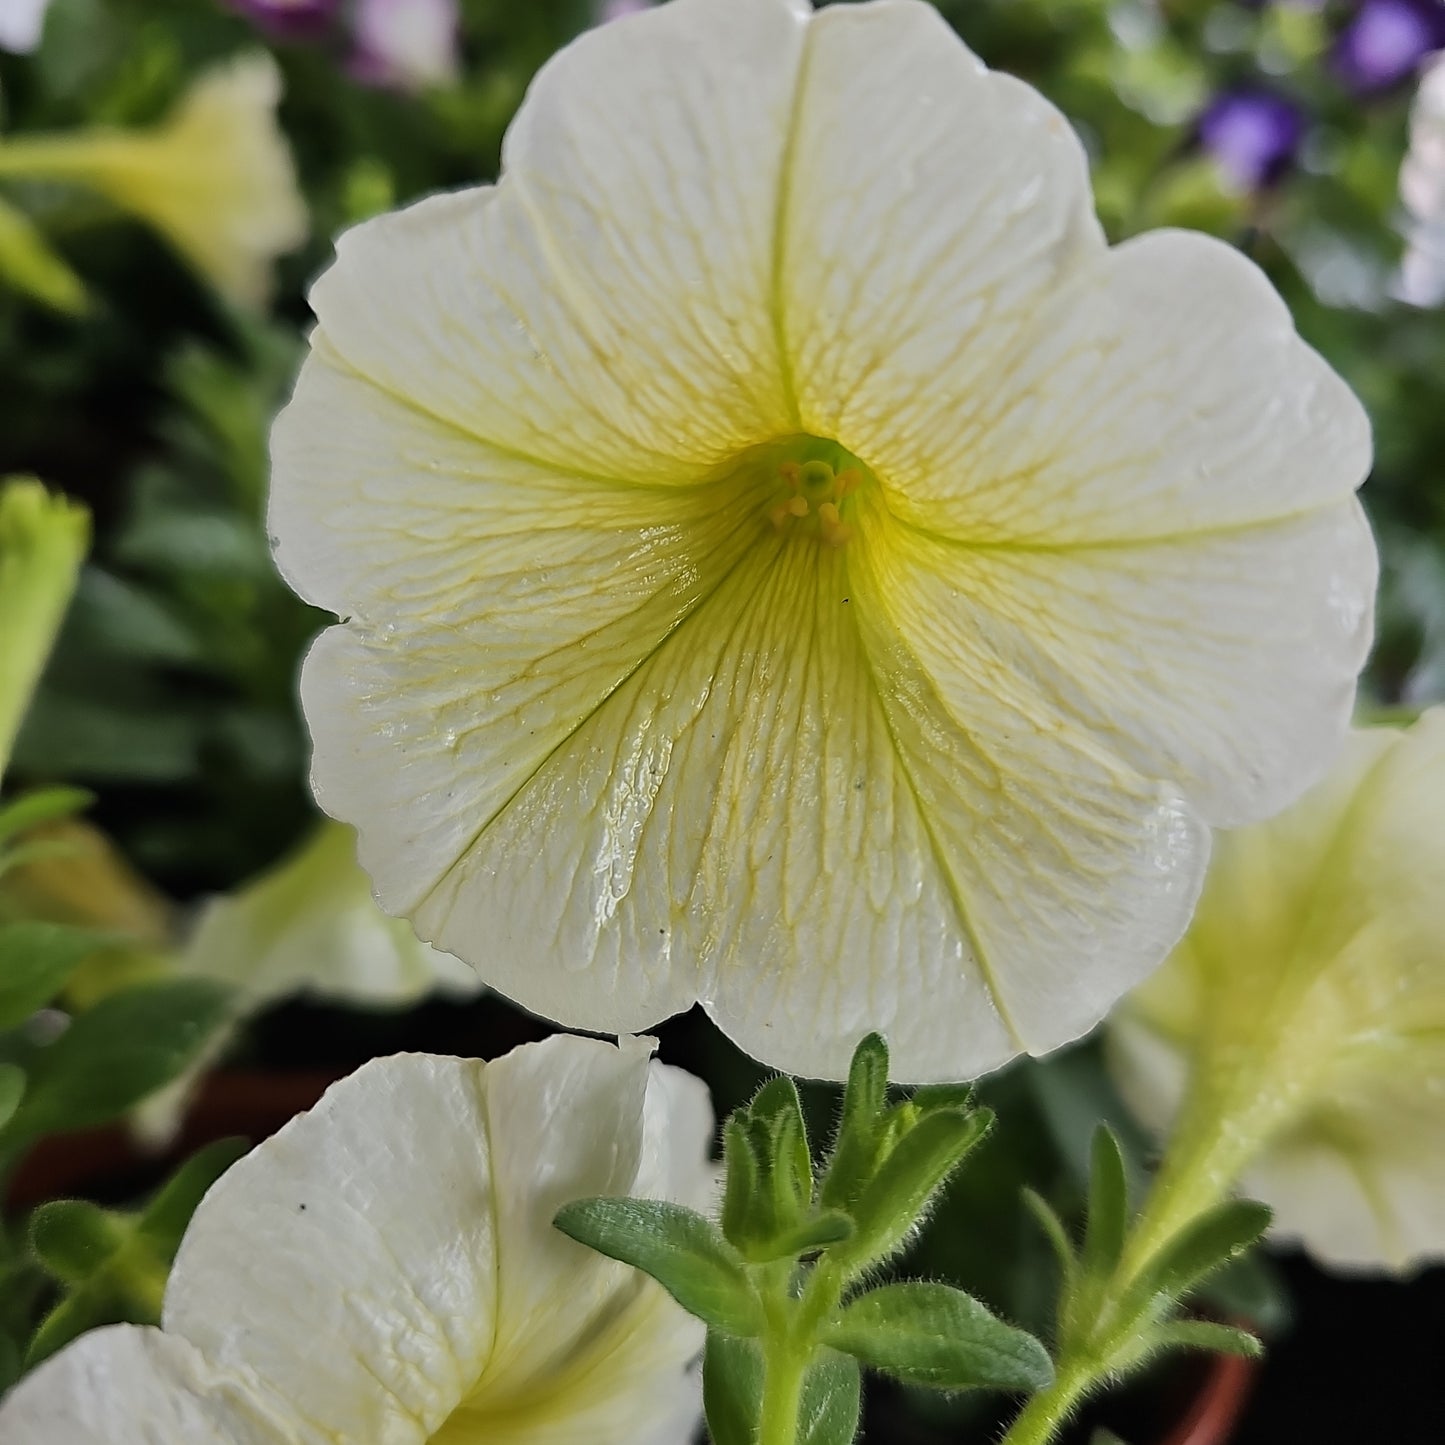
1108 1216
732 1388
855 1151
935 1335
684 1252
907 1180
832 1401
1211 1241
1206 1335
73 1238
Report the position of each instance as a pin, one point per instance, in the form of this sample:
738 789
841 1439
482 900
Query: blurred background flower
1386 40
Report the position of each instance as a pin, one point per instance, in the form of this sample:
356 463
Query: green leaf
1056 1234
118 1053
1108 1216
741 1166
908 1179
732 1388
1212 1240
45 805
1206 1335
73 1238
935 1335
855 1151
36 959
685 1253
778 1109
98 1302
164 1220
820 1232
832 1401
12 1090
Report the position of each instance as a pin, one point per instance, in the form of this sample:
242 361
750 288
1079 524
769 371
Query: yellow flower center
816 479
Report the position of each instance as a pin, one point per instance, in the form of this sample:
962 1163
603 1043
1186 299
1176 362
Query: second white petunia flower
789 560
385 1270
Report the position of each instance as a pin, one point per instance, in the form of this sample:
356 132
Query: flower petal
350 1260
406 1222
735 822
1193 659
128 1385
1160 393
929 206
585 1348
658 357
520 601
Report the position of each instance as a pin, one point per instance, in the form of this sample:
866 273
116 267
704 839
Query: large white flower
1297 1035
385 1270
790 561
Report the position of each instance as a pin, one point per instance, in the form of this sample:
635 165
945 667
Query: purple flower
616 9
288 19
405 44
1387 40
1254 135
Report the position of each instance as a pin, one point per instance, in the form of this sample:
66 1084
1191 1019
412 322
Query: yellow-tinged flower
1297 1035
215 177
789 560
385 1270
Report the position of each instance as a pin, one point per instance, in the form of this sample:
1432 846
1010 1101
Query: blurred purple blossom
1387 40
288 19
1254 135
405 44
616 9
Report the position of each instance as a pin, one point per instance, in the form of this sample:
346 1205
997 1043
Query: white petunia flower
1297 1036
310 925
215 177
789 560
385 1270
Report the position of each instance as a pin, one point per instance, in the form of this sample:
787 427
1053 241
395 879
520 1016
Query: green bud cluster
780 1280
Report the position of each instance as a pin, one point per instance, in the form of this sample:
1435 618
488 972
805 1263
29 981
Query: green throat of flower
817 482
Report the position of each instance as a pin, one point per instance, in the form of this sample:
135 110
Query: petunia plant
786 1279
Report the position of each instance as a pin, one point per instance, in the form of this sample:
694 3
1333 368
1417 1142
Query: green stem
784 1367
1046 1414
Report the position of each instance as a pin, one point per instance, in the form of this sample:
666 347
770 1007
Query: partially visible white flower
310 925
215 177
1421 281
411 44
21 24
1296 1038
789 561
385 1270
